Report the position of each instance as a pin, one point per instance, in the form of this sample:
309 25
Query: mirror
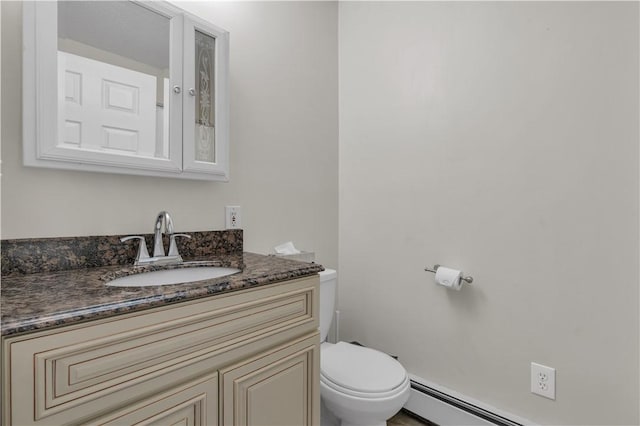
113 78
125 87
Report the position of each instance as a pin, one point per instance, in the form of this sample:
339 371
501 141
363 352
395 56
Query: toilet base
355 411
327 418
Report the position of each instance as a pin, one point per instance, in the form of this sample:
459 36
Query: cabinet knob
192 91
177 89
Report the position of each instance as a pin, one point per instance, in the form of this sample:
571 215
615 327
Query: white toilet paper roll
450 278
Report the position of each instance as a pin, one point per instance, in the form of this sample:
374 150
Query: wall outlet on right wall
543 380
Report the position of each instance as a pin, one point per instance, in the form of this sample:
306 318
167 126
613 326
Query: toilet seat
361 372
365 395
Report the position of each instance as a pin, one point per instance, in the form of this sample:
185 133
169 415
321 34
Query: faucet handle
142 247
173 248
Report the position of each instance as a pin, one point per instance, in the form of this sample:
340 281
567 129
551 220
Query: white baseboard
440 412
465 411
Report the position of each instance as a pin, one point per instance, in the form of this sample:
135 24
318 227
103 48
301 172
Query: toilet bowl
359 385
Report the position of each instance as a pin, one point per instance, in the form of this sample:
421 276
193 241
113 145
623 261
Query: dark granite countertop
36 301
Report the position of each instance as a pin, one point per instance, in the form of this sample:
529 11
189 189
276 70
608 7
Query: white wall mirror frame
42 102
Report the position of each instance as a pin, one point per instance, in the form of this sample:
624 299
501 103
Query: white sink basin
172 276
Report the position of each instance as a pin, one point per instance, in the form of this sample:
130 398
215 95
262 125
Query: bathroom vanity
224 351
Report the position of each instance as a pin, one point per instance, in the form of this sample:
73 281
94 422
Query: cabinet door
205 101
192 404
279 387
98 86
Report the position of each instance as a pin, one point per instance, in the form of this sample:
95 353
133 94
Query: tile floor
404 419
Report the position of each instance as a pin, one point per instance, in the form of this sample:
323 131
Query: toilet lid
361 369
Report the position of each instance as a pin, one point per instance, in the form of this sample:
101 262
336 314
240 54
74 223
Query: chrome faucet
159 256
158 244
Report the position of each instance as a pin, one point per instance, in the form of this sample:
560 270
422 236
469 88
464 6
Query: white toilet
360 386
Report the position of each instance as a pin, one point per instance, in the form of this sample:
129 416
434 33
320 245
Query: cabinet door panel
192 404
206 110
100 102
276 388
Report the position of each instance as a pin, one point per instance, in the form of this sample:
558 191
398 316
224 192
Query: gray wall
502 139
284 143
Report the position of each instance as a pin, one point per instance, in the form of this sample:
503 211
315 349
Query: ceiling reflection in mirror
113 78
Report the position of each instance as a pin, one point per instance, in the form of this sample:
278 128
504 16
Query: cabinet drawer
133 355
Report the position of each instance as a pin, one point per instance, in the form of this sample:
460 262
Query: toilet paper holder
468 279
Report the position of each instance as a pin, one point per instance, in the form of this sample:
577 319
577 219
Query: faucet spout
158 246
159 256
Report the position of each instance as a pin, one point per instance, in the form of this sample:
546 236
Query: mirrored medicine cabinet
125 87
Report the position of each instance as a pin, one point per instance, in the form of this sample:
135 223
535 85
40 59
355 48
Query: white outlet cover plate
230 212
543 380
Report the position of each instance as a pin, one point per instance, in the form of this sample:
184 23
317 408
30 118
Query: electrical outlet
232 217
543 380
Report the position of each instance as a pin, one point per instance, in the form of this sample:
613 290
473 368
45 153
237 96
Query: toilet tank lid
327 274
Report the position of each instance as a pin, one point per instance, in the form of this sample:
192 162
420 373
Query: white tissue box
303 256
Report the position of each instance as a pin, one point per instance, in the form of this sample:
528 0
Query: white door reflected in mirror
112 88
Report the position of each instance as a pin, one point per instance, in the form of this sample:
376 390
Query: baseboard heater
483 416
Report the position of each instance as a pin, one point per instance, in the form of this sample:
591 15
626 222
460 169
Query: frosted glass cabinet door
206 115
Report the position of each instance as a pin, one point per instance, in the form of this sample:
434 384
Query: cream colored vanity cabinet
132 87
272 388
249 357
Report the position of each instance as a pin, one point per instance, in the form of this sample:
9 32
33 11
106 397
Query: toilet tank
328 284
